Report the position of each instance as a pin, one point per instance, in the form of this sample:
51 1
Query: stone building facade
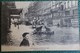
64 13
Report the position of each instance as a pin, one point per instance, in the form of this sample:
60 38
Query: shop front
65 22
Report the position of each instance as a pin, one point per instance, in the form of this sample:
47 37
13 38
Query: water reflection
64 35
9 39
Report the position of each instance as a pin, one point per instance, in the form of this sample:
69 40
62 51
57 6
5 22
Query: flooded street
33 25
58 41
16 34
61 35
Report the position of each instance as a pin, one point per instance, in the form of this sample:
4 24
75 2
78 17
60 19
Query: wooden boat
47 33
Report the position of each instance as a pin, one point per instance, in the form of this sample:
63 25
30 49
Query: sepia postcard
39 25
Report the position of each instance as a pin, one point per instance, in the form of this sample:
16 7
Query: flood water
62 35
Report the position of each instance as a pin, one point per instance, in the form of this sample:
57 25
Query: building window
61 7
70 4
76 3
66 4
75 12
73 3
67 12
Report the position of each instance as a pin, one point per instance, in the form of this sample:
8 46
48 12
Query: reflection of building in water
52 13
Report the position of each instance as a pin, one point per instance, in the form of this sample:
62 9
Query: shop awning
15 11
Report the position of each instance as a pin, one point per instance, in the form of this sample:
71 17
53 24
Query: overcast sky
22 4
